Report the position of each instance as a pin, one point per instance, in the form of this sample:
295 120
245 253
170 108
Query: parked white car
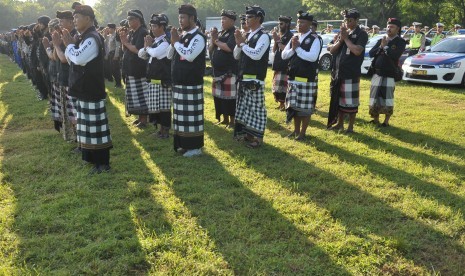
444 63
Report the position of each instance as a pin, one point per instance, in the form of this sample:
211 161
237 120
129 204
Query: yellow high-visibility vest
415 41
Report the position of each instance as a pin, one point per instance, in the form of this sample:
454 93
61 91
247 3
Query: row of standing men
164 71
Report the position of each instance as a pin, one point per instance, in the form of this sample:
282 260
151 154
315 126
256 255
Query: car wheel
463 81
325 63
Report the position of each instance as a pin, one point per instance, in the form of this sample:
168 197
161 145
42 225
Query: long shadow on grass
67 222
250 234
358 210
419 139
401 178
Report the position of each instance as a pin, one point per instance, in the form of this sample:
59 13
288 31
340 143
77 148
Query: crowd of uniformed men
68 58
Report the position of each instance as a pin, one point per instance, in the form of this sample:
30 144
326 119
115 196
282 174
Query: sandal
384 125
300 137
292 135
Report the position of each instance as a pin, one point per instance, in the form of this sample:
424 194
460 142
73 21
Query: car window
451 45
372 42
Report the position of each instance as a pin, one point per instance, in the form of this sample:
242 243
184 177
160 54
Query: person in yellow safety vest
439 34
417 39
374 31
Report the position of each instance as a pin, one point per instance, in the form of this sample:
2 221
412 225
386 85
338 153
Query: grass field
381 201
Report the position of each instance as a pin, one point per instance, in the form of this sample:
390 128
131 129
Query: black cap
44 20
84 10
111 25
64 14
304 16
284 18
136 13
159 19
124 23
229 14
255 10
394 21
351 13
75 4
187 9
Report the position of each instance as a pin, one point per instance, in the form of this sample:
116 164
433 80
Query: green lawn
381 201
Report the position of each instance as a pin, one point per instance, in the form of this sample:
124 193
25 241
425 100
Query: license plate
419 72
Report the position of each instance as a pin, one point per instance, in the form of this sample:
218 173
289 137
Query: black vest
248 66
159 69
87 82
278 63
303 68
224 62
184 72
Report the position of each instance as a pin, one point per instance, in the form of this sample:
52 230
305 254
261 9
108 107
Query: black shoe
104 168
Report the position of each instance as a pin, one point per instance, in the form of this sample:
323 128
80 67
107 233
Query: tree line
15 12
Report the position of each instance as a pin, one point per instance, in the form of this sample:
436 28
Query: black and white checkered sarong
55 105
349 98
301 97
188 109
71 106
159 98
188 118
382 95
92 127
250 109
69 134
136 94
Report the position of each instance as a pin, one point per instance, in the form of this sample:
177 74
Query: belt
155 81
249 77
415 49
301 79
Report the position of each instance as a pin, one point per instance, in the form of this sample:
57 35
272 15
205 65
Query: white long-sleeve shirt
160 52
189 53
256 53
311 55
87 51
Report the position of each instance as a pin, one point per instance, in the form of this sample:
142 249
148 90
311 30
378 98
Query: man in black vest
159 73
52 74
68 103
348 53
43 81
386 52
303 51
280 76
224 65
252 53
114 54
187 54
136 81
87 84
